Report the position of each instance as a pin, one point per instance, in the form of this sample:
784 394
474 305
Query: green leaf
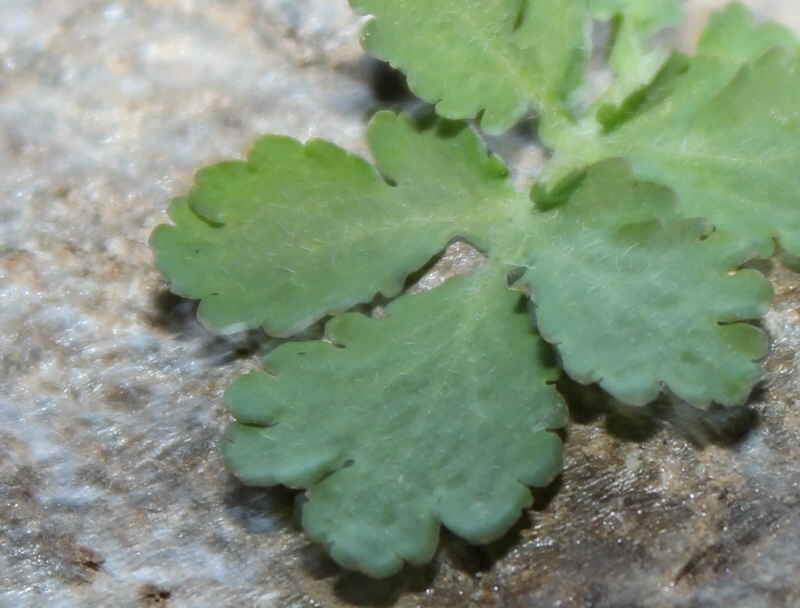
635 298
300 231
695 130
728 163
730 40
500 58
439 412
733 34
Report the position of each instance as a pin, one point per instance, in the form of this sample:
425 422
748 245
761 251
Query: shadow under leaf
361 590
715 425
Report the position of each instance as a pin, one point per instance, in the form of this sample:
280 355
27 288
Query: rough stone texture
112 491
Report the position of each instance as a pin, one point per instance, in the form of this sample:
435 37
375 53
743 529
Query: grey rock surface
112 489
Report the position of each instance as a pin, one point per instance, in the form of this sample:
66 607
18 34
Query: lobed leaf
733 35
498 59
635 298
299 231
440 412
728 163
730 40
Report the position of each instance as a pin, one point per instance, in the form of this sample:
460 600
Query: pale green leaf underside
300 231
501 58
635 298
437 413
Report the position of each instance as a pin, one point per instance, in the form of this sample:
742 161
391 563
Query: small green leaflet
736 167
733 35
397 424
723 131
